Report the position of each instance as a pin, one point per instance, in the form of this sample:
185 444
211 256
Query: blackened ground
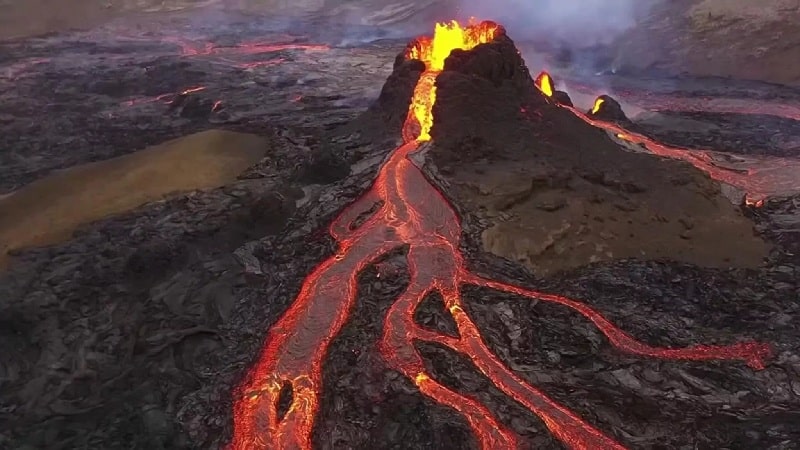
641 402
134 333
622 85
649 402
727 115
644 402
433 315
459 374
153 316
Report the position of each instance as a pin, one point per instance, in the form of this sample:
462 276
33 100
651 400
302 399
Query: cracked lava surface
415 214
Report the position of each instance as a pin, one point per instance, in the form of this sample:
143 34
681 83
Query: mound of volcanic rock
606 108
546 84
491 85
494 67
552 191
391 108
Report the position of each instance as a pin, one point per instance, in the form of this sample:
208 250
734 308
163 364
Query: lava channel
656 102
770 176
415 214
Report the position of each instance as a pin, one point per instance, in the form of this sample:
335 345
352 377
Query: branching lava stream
415 214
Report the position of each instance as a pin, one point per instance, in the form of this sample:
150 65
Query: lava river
416 215
762 178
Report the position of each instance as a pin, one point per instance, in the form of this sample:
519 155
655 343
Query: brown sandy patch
47 211
552 221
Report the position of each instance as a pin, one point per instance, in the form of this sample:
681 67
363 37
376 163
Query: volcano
466 98
251 234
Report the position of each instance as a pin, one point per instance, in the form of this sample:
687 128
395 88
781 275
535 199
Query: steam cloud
574 23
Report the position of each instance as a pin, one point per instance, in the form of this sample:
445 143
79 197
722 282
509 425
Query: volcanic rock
562 98
556 193
608 109
389 111
493 83
495 65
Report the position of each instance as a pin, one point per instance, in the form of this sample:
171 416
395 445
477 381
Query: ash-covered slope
389 111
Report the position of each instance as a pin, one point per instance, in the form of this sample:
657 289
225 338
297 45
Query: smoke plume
576 23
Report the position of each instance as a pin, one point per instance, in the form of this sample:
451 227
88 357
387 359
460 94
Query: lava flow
545 84
769 177
415 214
168 98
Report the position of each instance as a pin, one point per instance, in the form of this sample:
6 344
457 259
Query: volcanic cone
607 108
573 195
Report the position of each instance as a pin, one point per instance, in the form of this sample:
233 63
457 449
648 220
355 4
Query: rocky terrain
699 37
133 331
737 39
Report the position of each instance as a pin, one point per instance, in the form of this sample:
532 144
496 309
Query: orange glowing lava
545 84
597 105
414 214
653 101
433 52
771 175
753 203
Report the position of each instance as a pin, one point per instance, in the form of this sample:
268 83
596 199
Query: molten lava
597 105
771 175
168 98
433 52
545 84
653 101
414 214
